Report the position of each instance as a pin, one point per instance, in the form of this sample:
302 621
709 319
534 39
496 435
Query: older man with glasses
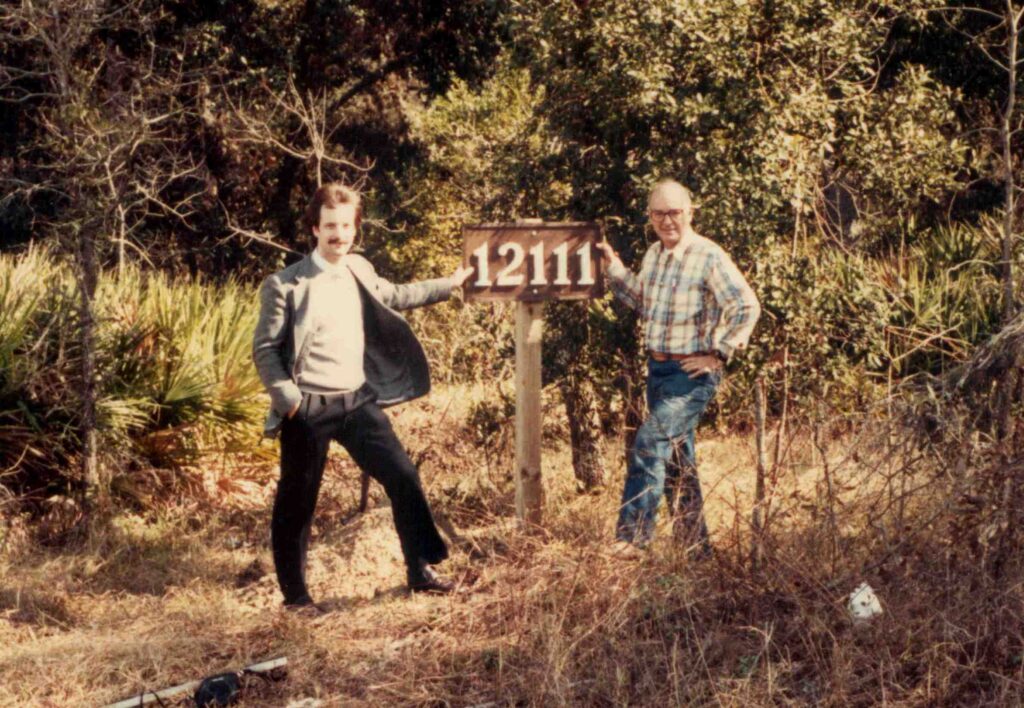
697 310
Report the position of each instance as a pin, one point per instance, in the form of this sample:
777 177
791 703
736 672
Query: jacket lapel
300 306
366 287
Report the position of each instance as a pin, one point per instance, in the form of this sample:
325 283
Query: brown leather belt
665 356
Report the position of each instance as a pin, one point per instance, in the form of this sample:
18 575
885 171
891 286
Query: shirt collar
680 248
324 265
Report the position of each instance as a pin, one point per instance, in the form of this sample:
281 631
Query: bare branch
977 10
309 112
260 237
975 39
138 249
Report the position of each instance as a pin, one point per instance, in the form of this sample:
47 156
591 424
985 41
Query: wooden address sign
531 262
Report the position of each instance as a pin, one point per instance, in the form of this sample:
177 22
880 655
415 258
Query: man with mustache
332 351
697 311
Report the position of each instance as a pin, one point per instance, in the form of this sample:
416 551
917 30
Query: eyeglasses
661 215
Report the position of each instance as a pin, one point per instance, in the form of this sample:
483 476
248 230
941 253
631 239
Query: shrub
173 364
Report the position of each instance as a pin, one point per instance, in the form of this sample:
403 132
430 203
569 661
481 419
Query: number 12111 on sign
536 262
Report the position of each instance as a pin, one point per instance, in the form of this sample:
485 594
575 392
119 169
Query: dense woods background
861 161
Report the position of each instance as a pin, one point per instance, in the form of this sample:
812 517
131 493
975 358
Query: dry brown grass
186 589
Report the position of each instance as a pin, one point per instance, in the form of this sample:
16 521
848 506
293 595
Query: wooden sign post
529 417
531 262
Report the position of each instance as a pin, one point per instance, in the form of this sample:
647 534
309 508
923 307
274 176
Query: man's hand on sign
608 252
460 275
699 365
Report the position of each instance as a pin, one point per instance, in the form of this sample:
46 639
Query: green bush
174 370
182 349
37 354
945 296
821 333
836 324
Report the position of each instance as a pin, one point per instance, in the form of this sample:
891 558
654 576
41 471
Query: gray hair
669 184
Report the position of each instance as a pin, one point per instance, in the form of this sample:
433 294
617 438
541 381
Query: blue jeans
662 459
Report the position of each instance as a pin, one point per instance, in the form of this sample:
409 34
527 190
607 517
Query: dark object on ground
218 690
250 574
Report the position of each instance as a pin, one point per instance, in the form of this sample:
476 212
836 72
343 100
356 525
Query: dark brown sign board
532 262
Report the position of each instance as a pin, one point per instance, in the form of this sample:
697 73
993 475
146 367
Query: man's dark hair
331 195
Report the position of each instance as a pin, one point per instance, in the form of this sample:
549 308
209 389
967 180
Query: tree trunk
93 494
1009 186
582 411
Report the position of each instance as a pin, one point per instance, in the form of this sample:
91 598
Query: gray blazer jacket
394 362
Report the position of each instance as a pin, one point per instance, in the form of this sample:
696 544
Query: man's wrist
616 269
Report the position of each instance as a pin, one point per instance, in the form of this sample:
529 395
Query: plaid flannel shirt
692 299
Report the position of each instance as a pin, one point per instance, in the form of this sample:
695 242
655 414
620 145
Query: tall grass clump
175 376
37 354
944 291
181 351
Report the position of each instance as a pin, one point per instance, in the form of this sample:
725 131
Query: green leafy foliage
823 323
200 124
173 362
944 295
36 419
832 154
770 113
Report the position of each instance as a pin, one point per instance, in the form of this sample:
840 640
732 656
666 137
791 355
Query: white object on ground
148 697
864 604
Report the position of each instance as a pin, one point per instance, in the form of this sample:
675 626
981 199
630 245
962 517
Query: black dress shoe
305 607
426 580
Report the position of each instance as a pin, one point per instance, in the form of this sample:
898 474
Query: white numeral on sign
539 276
562 265
483 276
586 267
506 278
